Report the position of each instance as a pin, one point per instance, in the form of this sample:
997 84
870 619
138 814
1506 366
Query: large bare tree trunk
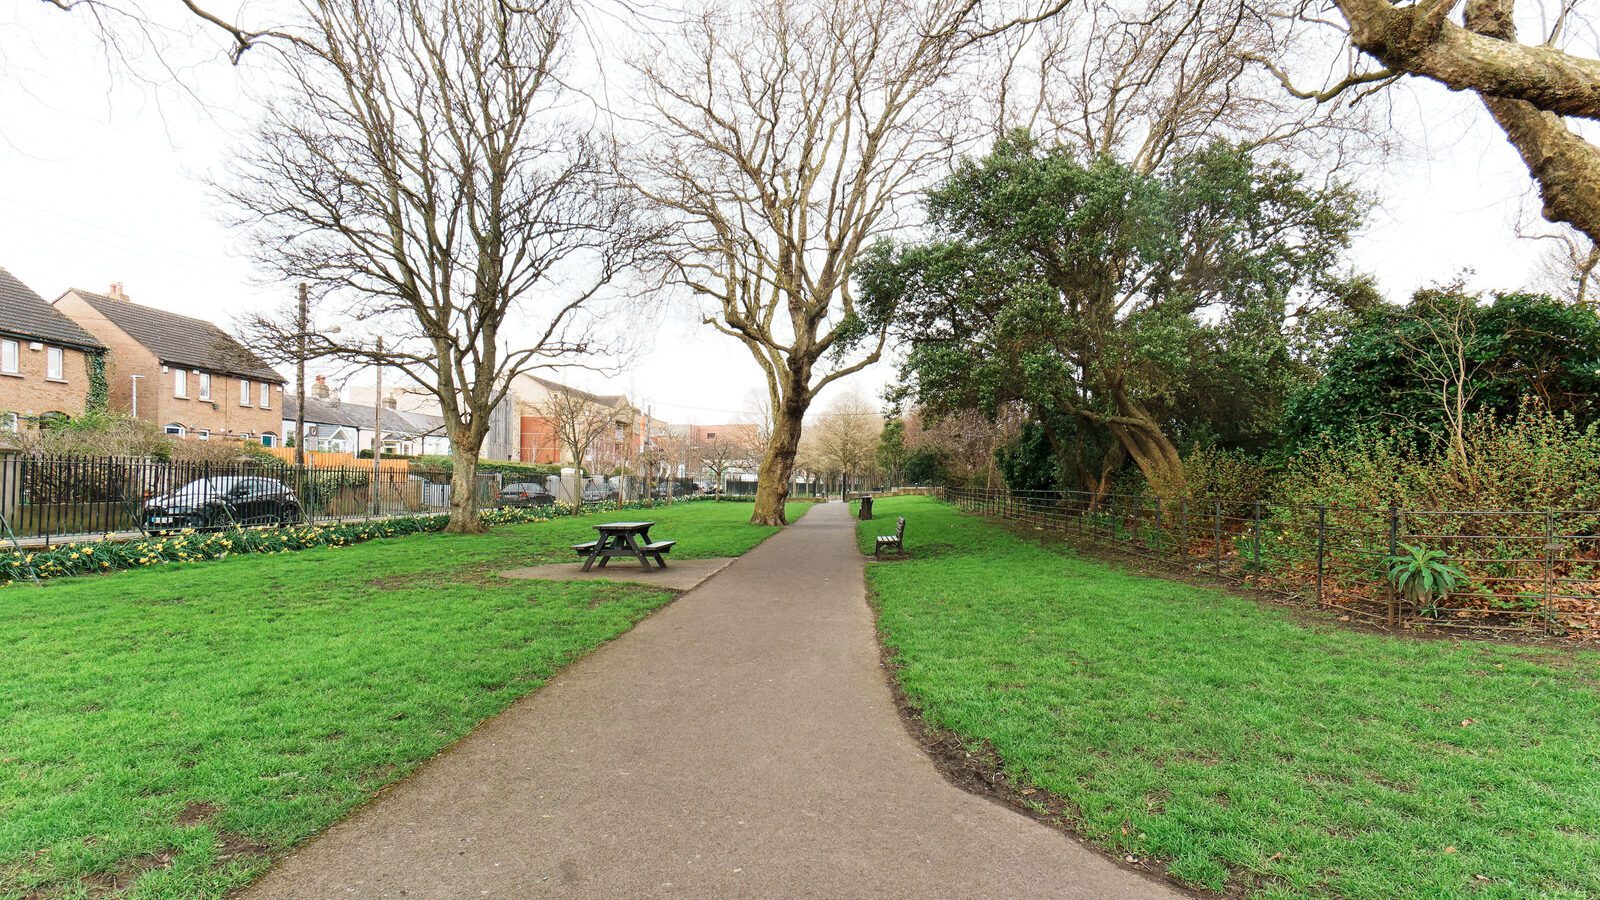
1152 451
464 505
777 465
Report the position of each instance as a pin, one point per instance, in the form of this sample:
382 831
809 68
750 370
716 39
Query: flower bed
90 557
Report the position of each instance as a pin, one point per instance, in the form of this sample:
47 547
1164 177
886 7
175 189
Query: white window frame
266 395
180 383
202 434
269 439
10 357
244 392
205 385
175 430
55 364
10 423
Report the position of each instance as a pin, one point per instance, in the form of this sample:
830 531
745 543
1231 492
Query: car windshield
211 486
522 489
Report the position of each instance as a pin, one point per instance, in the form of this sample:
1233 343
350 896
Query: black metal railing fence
48 499
1523 570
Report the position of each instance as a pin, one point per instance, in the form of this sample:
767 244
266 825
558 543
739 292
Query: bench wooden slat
658 547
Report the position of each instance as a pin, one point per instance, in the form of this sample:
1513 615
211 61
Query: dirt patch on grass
108 884
237 846
196 813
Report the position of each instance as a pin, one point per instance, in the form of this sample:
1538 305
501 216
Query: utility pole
377 426
302 325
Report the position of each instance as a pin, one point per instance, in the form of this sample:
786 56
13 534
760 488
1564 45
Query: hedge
93 557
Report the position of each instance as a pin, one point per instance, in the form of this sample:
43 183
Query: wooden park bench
896 540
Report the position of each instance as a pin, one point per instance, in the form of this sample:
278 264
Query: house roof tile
182 340
24 314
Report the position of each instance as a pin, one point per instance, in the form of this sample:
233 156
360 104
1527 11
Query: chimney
389 403
320 389
116 292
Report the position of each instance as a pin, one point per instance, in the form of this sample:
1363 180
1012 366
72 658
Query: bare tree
781 140
847 437
1146 80
1528 89
720 454
577 419
1447 355
1567 266
418 172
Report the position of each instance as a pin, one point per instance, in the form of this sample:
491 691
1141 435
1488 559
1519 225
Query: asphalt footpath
742 742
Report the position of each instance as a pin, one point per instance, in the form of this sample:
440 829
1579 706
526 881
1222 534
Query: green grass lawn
1242 746
163 732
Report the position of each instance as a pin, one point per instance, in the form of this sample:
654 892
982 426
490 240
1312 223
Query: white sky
100 181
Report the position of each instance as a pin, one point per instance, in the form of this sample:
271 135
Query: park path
742 742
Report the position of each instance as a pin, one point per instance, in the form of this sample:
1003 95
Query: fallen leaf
1450 849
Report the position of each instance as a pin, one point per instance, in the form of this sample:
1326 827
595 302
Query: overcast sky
101 180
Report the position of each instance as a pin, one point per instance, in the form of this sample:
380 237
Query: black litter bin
866 506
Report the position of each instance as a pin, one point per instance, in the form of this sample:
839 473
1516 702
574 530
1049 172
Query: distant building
616 447
338 427
409 398
186 375
46 359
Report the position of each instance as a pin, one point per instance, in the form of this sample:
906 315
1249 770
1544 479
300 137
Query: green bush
507 467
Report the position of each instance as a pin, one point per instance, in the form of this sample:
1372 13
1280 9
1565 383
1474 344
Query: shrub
1225 474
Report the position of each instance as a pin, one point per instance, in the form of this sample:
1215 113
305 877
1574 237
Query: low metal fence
1524 570
46 500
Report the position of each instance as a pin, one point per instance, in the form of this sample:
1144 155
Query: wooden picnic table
619 539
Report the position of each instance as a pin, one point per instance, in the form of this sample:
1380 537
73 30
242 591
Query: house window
55 364
176 430
268 439
266 395
10 360
203 434
205 385
180 383
244 392
8 422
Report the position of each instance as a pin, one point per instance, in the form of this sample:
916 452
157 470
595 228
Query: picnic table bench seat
896 541
585 547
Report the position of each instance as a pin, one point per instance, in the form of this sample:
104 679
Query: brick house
46 360
616 446
185 375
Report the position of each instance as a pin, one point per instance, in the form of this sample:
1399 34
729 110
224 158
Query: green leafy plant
1423 576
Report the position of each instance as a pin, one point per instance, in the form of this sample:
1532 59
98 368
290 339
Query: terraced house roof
181 340
26 315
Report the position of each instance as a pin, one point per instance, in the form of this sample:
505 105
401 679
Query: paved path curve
741 742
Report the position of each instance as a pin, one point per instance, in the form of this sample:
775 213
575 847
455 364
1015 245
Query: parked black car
221 502
598 493
526 493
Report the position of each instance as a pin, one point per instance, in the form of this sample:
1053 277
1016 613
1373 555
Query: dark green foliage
1518 345
1111 301
1029 463
927 464
99 391
446 464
